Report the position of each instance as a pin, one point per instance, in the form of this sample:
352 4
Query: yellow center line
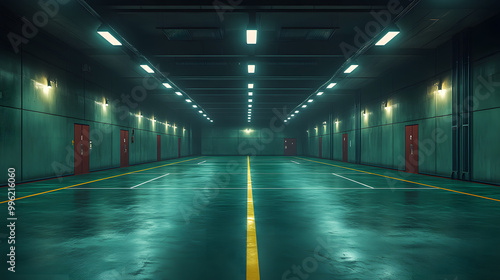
403 180
252 255
102 179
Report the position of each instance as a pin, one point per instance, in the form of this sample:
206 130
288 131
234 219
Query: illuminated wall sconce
364 113
440 87
106 103
324 123
49 84
337 122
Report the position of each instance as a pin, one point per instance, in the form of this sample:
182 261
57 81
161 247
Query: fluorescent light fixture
293 115
303 106
188 100
211 120
286 121
195 106
178 93
250 85
250 100
249 118
319 93
167 85
310 100
147 68
296 112
200 111
249 105
249 110
250 93
204 115
351 68
330 86
251 68
110 38
251 37
388 37
288 118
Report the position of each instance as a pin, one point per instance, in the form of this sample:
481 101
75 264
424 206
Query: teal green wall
237 141
37 124
411 93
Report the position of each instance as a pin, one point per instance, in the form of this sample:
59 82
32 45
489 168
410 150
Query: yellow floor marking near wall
102 179
402 180
252 255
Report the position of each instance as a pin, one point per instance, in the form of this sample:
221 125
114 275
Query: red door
179 147
344 147
321 147
158 147
124 148
82 149
411 149
290 147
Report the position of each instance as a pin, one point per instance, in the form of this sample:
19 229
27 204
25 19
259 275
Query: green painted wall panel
10 79
10 142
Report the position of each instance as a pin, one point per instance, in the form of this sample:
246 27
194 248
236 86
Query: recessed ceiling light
251 68
331 85
147 68
251 37
194 106
310 100
351 68
167 85
303 106
249 105
200 111
296 112
250 93
250 85
388 37
178 93
188 100
319 93
250 100
110 38
204 115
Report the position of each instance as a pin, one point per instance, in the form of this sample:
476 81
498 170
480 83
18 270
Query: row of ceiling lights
381 42
106 34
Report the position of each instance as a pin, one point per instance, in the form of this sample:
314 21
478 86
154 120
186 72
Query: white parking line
202 162
149 181
352 180
295 162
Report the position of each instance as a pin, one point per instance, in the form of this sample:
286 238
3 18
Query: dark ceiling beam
246 89
246 77
244 9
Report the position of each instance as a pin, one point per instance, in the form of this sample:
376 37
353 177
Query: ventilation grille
307 34
193 34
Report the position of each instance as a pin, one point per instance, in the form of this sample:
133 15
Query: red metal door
290 146
158 147
411 148
124 148
81 146
179 147
321 147
344 147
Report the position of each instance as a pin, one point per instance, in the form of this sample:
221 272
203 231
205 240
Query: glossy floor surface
314 219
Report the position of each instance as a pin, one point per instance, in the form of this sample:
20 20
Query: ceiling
200 46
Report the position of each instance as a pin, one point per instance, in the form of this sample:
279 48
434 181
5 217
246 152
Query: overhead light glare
303 106
351 68
250 93
251 68
188 100
110 38
250 100
167 85
250 85
387 37
147 68
195 106
178 93
251 37
319 93
330 86
310 100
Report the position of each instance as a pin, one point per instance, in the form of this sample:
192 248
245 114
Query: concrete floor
314 219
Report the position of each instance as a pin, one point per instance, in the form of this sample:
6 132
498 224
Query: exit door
158 147
124 148
82 149
290 147
344 147
321 147
180 147
411 149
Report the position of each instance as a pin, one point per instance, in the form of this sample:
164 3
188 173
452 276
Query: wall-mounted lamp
106 103
49 84
324 123
337 122
364 113
440 87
